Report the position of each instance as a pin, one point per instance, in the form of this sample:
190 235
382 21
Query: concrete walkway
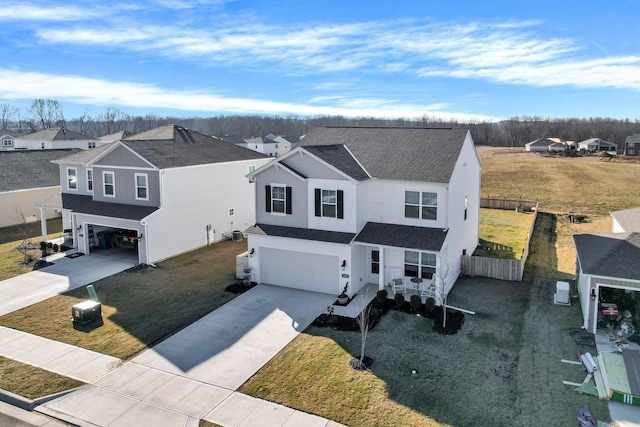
188 377
64 275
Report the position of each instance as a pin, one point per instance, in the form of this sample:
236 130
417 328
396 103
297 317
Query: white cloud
16 85
22 11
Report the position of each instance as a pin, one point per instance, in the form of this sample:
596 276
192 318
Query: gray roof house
165 191
596 144
351 207
632 145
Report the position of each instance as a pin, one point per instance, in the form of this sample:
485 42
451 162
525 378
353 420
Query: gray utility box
86 311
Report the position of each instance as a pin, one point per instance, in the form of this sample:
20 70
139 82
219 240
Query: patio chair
428 289
397 282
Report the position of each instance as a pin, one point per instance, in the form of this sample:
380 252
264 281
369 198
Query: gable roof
339 157
629 219
611 255
55 134
82 157
115 136
174 146
408 154
25 169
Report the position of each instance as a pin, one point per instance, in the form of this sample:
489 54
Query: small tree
364 323
26 233
442 273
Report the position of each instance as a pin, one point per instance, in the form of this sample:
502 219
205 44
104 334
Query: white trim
92 181
284 199
146 185
104 184
75 174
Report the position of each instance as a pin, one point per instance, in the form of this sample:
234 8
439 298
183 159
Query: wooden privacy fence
498 268
508 204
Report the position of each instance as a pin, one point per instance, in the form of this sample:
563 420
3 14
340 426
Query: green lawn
503 233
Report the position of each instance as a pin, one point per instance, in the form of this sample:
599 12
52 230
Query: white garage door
311 272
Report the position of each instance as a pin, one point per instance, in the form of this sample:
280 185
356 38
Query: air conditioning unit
86 311
562 293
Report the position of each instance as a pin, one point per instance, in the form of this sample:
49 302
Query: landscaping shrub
415 301
399 297
430 304
381 296
55 247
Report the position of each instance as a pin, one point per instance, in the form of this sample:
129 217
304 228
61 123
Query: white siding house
168 190
352 206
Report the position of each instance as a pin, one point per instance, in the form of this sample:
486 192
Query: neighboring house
164 192
546 144
28 178
54 139
115 136
632 145
626 220
351 206
606 263
7 138
271 145
596 144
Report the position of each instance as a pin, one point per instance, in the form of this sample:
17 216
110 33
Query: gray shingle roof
24 169
82 156
339 157
55 134
629 219
174 146
402 236
302 233
86 204
411 154
610 255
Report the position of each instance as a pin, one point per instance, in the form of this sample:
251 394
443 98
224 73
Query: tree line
513 132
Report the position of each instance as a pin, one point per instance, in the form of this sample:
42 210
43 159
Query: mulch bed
455 319
41 264
239 288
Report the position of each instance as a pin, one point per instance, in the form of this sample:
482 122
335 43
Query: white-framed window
278 199
631 152
108 184
72 178
142 190
423 205
375 262
232 211
89 180
419 264
631 144
7 142
329 203
91 145
252 168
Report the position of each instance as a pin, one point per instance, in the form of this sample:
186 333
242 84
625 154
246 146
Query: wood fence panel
507 204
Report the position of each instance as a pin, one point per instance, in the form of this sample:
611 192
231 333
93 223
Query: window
422 205
91 144
278 199
89 180
232 211
252 168
7 142
419 263
329 203
631 144
375 262
72 179
141 187
466 207
109 184
631 152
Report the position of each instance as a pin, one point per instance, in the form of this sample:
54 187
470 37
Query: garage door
311 272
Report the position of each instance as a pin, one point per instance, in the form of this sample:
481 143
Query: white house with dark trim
165 191
351 206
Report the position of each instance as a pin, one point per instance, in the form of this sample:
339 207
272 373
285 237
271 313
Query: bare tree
364 323
46 113
112 120
85 120
441 277
6 114
26 228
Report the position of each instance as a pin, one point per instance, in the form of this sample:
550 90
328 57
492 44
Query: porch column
382 268
43 224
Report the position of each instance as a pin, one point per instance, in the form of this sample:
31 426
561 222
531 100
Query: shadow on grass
494 250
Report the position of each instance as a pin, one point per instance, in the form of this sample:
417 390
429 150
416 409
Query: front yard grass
141 308
31 382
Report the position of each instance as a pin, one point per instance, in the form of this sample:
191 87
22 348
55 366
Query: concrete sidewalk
64 275
190 376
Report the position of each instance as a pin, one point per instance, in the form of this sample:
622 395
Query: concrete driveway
64 275
226 347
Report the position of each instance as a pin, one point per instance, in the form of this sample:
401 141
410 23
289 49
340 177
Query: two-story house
271 145
632 145
165 191
351 206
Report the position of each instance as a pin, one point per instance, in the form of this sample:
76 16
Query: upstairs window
329 203
419 264
422 205
278 199
109 184
142 192
89 180
7 142
91 144
72 179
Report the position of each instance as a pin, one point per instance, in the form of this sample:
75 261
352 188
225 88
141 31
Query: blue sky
467 60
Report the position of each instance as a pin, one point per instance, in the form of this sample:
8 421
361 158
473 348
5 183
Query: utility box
562 293
86 311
